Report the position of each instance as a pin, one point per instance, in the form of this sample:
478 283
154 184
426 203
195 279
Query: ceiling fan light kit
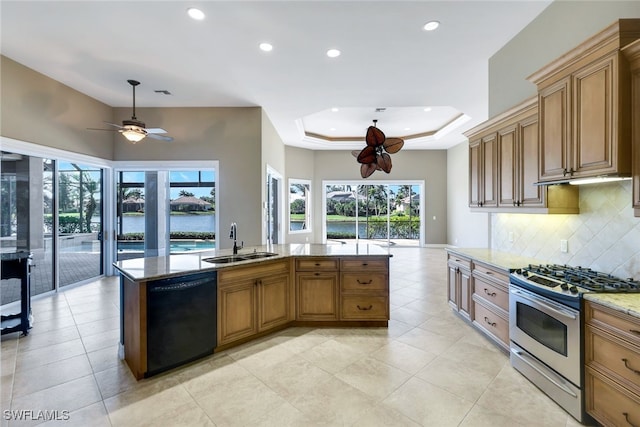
375 156
134 130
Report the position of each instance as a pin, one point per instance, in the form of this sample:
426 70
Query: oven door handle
548 375
544 304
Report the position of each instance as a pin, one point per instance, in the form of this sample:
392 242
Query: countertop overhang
161 267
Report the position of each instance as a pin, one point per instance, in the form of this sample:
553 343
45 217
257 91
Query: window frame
308 199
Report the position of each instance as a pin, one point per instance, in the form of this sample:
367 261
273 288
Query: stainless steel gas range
546 331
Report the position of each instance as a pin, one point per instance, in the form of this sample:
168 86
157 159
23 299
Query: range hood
600 179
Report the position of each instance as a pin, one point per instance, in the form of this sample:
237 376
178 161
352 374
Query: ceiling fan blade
155 130
375 137
384 162
393 145
108 130
367 169
159 137
113 124
367 155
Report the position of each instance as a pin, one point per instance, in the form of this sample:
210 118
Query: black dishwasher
181 320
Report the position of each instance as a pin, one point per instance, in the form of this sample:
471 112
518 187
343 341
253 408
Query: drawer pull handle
634 331
364 283
491 294
364 264
626 418
488 272
626 365
490 323
364 308
316 274
317 264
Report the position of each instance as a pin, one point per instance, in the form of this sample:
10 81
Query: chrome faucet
234 235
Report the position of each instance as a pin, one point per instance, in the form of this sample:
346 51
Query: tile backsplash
605 236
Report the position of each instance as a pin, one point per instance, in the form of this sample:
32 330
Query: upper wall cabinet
584 104
632 53
503 166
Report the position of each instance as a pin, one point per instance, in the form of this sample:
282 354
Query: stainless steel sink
224 259
255 255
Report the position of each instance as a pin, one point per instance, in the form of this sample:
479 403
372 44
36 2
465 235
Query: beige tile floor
427 368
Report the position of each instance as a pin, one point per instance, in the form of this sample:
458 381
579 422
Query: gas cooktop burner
574 278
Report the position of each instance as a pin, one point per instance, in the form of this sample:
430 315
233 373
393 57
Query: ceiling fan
375 155
134 130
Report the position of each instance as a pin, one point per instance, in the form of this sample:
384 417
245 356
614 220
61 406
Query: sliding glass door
52 208
79 222
381 213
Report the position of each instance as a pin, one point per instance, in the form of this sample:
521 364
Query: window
299 206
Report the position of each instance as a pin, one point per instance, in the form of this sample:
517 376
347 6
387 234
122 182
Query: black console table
17 265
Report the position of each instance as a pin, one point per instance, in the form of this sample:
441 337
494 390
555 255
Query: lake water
201 223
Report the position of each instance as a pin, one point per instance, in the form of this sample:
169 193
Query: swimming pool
175 245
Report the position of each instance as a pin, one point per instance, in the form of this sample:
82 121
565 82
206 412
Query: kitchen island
260 290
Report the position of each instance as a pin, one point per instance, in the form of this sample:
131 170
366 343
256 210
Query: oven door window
543 328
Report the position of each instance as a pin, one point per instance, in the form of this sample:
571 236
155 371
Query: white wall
429 166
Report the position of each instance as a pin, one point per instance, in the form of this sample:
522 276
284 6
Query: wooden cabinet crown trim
528 106
616 36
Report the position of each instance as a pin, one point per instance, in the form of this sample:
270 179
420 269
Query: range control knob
564 286
573 290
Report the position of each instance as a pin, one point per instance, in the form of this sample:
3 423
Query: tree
185 193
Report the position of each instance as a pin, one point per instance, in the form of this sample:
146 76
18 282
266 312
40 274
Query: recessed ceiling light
407 128
267 47
335 109
431 25
427 109
196 14
333 53
332 129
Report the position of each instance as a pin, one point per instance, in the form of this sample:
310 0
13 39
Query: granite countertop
625 303
501 260
153 268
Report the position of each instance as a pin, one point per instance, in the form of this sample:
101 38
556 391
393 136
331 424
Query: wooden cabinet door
529 195
464 279
273 301
317 295
507 166
635 146
236 311
553 105
452 287
489 196
475 171
593 121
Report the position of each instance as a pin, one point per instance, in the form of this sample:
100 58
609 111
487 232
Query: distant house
133 204
190 204
403 206
341 196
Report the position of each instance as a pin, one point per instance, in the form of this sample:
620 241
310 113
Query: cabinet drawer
491 274
315 264
618 323
610 354
491 322
492 293
609 403
364 281
459 261
364 264
365 307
